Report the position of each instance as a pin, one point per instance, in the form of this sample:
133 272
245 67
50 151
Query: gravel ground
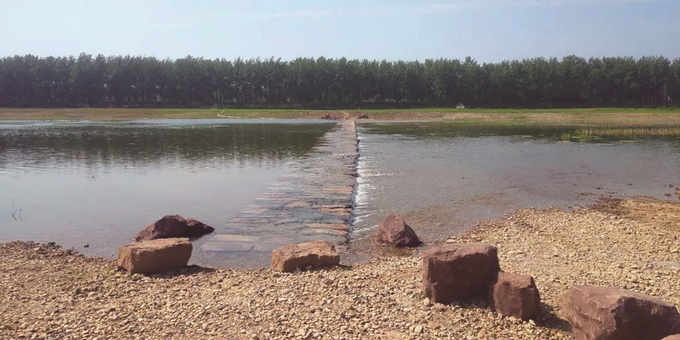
49 292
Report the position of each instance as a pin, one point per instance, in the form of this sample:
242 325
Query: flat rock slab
335 226
244 243
155 256
312 202
334 232
300 256
228 246
607 313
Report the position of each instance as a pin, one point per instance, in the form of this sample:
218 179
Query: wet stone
227 247
313 202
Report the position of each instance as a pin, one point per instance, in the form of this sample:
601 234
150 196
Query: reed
630 131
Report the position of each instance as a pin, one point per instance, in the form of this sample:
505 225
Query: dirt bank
54 293
598 117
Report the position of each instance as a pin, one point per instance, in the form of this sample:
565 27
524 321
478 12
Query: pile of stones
454 273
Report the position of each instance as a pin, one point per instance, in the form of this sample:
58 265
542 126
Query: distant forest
130 81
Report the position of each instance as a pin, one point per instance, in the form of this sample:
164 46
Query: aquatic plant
630 132
580 137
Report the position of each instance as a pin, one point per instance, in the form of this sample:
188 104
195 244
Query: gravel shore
55 293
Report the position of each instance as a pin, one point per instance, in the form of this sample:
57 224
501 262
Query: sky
486 30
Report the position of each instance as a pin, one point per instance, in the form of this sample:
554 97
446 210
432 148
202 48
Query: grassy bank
593 116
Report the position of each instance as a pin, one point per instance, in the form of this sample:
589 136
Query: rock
155 256
167 227
316 254
515 295
196 229
393 230
459 271
329 116
672 337
616 314
173 226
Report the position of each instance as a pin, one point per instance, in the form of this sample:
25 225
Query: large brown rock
170 226
459 271
300 256
155 256
606 313
395 231
196 229
515 295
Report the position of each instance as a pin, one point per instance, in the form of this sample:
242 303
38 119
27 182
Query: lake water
97 184
449 176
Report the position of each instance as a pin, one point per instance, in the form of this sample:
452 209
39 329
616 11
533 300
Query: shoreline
596 116
54 292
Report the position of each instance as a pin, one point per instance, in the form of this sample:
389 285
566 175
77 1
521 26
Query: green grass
585 117
579 137
630 132
524 111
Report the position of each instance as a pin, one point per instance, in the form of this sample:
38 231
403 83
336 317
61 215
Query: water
448 176
97 184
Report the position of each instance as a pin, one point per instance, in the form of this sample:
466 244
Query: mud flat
314 202
54 293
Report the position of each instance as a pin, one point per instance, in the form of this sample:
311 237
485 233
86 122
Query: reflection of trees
438 129
150 147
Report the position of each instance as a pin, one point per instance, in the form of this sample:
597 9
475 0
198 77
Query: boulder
459 271
170 226
196 229
300 256
607 313
515 295
155 256
393 230
672 337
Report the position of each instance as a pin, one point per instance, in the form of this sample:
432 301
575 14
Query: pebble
55 293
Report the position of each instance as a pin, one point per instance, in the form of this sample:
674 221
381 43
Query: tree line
135 81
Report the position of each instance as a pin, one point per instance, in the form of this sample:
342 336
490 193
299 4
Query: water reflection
145 146
99 183
449 176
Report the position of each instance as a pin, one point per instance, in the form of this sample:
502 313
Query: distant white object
460 106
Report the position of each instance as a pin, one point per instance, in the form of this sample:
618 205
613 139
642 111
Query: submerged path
314 202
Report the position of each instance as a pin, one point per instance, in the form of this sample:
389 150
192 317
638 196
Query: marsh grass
580 137
629 132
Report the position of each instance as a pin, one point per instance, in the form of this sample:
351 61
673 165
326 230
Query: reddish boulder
515 295
155 256
459 271
300 256
616 314
196 229
393 230
173 226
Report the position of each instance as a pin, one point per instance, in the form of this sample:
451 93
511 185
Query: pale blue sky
487 30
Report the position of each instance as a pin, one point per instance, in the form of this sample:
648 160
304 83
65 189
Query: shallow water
449 176
97 184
